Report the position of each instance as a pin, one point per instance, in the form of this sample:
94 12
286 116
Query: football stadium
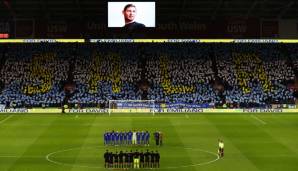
84 88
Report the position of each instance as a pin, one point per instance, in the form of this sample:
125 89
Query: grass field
75 142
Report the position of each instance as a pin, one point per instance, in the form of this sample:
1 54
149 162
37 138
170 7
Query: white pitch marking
2 121
10 156
47 157
258 119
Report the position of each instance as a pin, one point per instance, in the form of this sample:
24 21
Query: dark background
174 19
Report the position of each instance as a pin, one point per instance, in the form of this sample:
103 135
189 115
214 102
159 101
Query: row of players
126 160
131 138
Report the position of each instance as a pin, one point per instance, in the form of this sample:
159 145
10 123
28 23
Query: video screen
131 15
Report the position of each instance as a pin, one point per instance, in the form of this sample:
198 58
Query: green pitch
75 142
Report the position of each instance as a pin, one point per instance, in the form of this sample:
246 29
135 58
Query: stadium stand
32 75
202 75
257 74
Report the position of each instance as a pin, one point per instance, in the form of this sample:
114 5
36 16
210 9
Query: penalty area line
5 119
258 119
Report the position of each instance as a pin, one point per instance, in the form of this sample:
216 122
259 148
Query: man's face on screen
129 14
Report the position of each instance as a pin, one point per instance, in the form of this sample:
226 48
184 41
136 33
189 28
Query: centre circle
171 156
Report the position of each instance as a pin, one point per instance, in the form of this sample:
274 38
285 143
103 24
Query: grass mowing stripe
254 143
92 139
181 131
172 143
16 138
23 161
55 137
287 134
234 158
77 138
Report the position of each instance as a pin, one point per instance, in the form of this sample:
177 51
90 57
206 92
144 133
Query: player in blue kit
143 138
147 138
105 138
109 134
138 138
125 138
129 138
113 138
121 138
117 137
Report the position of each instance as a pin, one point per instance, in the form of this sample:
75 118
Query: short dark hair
128 5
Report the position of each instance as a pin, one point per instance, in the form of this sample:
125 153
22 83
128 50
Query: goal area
131 106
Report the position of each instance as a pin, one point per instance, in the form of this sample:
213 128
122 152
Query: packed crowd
180 73
32 75
256 75
112 74
253 75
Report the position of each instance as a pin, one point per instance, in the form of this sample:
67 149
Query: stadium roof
196 9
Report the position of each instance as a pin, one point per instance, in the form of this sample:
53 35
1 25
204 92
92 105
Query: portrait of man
129 12
131 16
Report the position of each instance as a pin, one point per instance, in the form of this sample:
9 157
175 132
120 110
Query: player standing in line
108 138
147 138
125 138
157 157
130 134
147 157
138 137
110 160
131 155
113 138
141 138
142 159
121 156
120 138
152 157
117 138
126 159
134 137
106 157
116 160
136 160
